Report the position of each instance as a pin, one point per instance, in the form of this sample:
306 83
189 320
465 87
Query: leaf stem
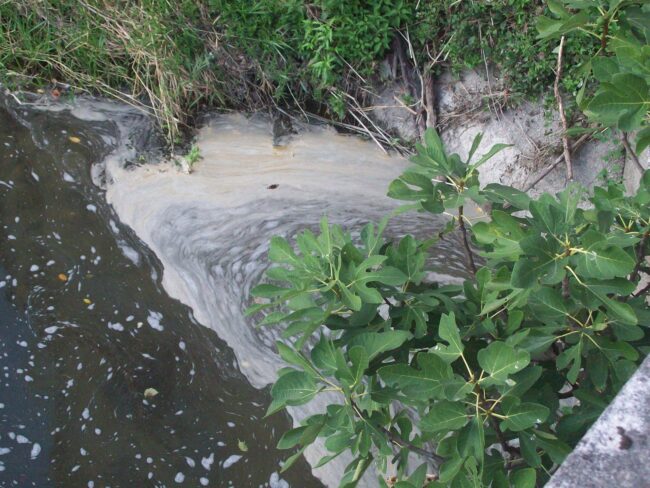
640 257
469 370
468 249
398 441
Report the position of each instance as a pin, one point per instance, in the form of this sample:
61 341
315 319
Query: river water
106 293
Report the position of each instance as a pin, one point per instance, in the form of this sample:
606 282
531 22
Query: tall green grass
151 53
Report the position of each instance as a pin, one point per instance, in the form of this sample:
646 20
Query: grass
150 54
193 156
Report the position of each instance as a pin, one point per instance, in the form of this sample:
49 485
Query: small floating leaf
150 393
87 301
62 277
242 446
74 139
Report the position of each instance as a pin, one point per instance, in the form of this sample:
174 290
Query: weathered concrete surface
615 452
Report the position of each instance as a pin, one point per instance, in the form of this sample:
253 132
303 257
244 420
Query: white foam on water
211 229
207 462
36 450
231 460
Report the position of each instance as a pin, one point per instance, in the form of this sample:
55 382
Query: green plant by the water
152 51
620 68
490 383
193 156
472 34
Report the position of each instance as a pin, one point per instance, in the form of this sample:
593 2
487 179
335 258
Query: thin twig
398 441
560 108
487 75
378 130
368 132
502 440
401 443
403 105
430 101
560 158
641 291
410 85
640 258
630 151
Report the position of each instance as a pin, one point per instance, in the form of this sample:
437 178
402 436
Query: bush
620 68
470 34
491 383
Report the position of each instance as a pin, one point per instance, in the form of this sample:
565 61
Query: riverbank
177 59
377 72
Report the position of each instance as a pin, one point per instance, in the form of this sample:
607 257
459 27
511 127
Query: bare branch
642 291
430 100
640 258
560 108
630 152
577 144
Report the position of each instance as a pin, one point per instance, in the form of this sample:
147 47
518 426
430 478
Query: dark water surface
86 327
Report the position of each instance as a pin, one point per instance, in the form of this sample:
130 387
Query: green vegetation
149 51
323 56
550 313
491 383
620 68
470 34
193 156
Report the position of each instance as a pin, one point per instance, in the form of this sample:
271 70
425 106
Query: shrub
620 67
470 34
490 383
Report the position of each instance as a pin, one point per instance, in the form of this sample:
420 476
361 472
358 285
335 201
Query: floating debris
150 393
